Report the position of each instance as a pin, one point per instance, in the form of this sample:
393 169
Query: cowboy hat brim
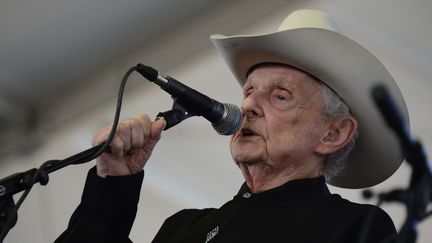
348 69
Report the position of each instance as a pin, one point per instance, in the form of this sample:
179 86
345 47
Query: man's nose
251 106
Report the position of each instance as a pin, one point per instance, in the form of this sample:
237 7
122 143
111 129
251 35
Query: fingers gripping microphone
226 118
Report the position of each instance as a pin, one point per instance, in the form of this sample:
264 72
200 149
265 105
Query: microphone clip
177 114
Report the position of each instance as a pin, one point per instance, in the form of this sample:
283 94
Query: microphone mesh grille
230 122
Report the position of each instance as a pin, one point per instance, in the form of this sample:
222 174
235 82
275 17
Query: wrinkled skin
283 127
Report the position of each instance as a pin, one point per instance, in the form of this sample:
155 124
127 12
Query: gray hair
335 108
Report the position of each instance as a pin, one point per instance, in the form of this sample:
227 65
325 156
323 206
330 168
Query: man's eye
281 97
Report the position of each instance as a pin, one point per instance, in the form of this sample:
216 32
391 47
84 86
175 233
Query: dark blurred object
418 194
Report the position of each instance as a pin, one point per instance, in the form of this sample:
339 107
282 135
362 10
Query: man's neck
262 176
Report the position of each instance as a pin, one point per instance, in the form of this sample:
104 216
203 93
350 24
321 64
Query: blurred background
60 68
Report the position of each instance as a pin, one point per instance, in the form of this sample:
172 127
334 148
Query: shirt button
247 195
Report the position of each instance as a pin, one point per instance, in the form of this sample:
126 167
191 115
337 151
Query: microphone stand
418 194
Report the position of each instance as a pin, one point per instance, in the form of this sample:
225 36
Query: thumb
156 129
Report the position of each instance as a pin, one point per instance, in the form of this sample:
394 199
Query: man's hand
131 146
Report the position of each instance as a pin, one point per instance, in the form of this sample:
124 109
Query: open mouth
245 132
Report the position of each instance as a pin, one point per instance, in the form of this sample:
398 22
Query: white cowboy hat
308 41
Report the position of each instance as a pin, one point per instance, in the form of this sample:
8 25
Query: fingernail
161 118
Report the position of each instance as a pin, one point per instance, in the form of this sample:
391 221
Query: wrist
104 171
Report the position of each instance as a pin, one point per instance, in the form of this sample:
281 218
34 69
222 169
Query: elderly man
297 131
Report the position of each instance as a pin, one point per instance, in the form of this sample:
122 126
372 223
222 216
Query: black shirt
296 212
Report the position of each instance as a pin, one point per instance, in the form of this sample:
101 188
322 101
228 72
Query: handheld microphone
226 118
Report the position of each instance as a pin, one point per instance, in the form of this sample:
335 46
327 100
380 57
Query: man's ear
339 133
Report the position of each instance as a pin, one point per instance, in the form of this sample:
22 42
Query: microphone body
225 118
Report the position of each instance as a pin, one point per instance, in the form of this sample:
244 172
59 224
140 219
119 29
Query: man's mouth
245 132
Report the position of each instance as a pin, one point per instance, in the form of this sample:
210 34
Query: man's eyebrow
283 82
248 82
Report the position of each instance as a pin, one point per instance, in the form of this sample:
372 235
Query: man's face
282 107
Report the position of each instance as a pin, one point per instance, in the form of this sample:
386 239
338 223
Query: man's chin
247 158
247 152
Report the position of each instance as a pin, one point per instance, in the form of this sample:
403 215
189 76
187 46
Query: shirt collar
301 188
